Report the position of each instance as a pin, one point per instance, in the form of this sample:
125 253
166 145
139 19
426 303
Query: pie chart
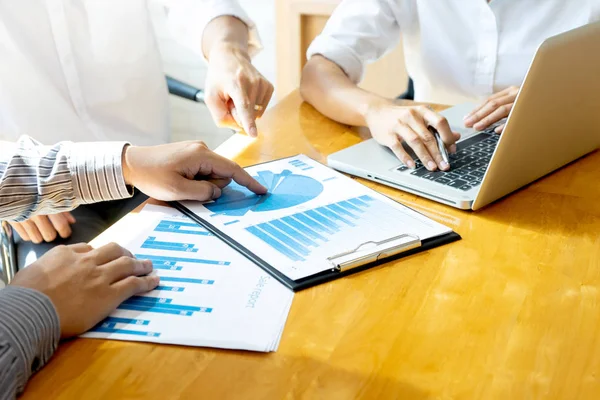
285 190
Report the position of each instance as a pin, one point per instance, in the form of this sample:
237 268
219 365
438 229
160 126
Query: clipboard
365 256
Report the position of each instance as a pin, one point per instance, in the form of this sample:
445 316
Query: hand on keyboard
391 125
493 110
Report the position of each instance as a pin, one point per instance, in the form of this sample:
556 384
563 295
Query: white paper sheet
311 213
209 294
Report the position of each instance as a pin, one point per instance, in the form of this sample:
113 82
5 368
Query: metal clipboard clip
372 251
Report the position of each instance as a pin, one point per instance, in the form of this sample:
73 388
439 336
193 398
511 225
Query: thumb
189 189
220 111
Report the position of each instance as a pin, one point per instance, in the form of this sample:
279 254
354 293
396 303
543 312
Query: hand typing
391 124
495 108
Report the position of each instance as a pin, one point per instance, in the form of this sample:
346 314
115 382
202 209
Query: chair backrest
182 89
409 94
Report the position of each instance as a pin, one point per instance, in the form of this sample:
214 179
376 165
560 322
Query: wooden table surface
512 311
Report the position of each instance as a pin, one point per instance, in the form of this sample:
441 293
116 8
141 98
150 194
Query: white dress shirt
455 50
90 70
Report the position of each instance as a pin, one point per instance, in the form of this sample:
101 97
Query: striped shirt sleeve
38 179
29 335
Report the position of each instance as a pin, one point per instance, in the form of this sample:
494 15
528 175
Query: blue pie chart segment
285 190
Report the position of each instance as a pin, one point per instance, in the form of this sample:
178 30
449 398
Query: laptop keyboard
467 165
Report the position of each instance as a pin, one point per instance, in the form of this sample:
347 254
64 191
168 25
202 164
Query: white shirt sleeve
188 19
358 32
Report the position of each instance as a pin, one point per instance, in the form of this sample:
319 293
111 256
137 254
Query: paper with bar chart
209 295
310 213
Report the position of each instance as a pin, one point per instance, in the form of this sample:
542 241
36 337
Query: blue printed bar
283 238
108 324
302 228
293 232
172 244
307 168
349 206
323 220
180 259
170 288
328 179
149 308
186 280
341 210
148 299
274 243
101 329
330 214
178 224
169 248
164 308
129 321
366 198
358 202
312 223
182 231
166 267
231 222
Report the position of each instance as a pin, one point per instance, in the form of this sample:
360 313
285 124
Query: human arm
29 335
222 33
356 35
38 179
64 293
494 109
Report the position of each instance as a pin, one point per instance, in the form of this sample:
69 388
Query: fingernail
216 193
444 165
432 166
147 263
452 149
466 116
253 132
468 120
155 280
411 164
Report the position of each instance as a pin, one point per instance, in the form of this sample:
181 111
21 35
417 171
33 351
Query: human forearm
225 34
329 90
38 179
29 335
236 93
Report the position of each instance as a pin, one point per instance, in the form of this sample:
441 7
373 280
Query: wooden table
510 312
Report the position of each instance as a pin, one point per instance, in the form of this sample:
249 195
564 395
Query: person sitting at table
456 51
91 71
71 288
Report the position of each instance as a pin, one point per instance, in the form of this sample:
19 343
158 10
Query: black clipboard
411 245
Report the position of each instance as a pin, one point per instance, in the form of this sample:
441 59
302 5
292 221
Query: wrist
223 35
126 165
373 106
227 48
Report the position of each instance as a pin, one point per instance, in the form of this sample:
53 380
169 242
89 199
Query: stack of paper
209 294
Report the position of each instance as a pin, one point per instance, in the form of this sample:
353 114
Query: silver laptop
555 120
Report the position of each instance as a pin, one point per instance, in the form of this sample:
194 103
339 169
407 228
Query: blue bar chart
181 227
207 294
294 236
152 243
300 164
161 306
173 261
